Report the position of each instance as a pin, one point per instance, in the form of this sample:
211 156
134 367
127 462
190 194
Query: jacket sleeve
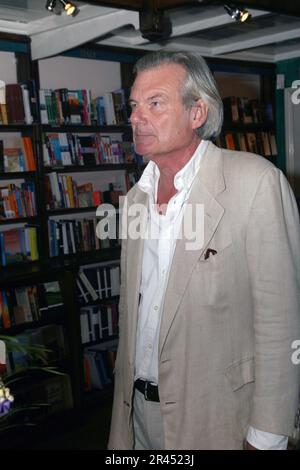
273 254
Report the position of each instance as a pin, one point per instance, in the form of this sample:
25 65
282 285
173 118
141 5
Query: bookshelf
19 202
109 166
39 316
249 113
26 278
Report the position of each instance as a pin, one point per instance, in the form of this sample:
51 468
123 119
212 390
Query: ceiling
272 34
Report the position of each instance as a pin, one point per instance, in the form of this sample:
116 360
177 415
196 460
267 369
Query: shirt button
149 346
155 307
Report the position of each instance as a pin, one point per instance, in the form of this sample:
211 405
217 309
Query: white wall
8 70
99 76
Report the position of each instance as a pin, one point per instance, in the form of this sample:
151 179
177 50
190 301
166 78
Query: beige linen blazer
229 320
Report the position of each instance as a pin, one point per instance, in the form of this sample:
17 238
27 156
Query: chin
143 150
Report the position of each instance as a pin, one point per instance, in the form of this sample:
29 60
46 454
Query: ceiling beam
138 5
284 52
205 49
51 21
255 39
13 28
183 22
63 37
253 55
200 20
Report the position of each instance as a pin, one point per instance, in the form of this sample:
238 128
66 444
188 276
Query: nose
138 115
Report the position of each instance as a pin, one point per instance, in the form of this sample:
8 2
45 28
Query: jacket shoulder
247 170
246 162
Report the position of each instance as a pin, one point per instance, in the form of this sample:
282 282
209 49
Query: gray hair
199 83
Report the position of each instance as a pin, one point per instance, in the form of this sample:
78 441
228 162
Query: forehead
165 78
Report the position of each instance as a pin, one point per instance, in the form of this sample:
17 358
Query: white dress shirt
159 246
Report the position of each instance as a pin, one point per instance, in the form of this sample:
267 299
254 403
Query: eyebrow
156 95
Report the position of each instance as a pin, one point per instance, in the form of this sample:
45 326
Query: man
207 329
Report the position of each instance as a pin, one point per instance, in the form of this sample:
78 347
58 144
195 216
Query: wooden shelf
88 257
89 168
56 316
17 127
71 210
19 220
90 344
17 175
26 272
100 301
242 127
84 128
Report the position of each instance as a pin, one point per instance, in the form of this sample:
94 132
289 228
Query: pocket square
209 252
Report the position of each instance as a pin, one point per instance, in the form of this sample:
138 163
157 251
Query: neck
172 163
168 167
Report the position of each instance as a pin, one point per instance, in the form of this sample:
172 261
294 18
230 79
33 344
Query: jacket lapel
208 183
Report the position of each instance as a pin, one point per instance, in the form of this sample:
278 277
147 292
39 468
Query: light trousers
147 424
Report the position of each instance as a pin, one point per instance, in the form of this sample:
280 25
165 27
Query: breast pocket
214 274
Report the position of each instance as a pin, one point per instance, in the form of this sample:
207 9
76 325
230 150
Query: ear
199 113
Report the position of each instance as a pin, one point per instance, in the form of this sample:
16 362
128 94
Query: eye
155 103
132 105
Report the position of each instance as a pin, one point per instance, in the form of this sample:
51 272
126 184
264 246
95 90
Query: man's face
161 125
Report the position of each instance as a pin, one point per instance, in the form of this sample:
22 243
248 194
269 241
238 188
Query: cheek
172 126
175 131
168 128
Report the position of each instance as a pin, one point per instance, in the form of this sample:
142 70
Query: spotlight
69 8
154 25
237 14
50 5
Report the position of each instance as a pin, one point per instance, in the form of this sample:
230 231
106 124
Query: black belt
148 389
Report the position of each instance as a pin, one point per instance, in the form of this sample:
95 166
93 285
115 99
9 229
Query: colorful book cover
13 246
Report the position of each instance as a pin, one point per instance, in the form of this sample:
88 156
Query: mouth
142 134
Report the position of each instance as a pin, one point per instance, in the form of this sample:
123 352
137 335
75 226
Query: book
13 160
26 103
14 103
88 149
5 318
85 195
13 246
75 106
32 96
43 106
23 313
49 295
3 107
251 142
110 115
246 111
95 379
85 281
273 144
229 139
231 109
266 144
